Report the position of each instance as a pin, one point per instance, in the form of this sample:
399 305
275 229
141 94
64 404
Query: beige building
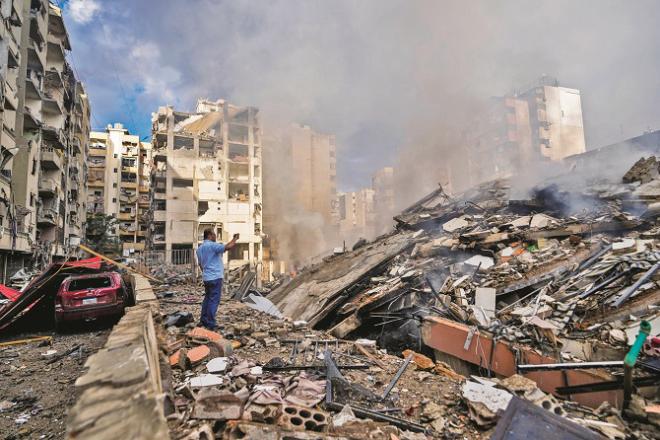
542 123
555 115
45 115
314 165
119 183
207 173
357 215
382 182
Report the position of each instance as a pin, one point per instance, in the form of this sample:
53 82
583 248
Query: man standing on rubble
209 258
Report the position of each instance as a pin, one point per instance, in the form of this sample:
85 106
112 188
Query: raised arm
232 243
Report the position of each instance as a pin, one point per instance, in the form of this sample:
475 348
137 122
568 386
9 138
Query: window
114 170
114 185
182 183
89 283
114 200
115 156
34 166
31 199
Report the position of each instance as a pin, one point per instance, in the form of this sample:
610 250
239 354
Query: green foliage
101 236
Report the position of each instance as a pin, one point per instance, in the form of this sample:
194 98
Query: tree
101 236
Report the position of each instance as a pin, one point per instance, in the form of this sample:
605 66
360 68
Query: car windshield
89 283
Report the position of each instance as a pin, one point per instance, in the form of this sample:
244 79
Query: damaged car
90 297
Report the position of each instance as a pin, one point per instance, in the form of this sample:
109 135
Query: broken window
182 183
202 207
183 142
160 205
206 148
89 283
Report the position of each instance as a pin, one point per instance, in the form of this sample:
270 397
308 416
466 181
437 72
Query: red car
88 297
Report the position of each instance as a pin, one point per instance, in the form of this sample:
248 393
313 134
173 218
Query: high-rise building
119 183
555 116
45 116
207 173
540 123
382 182
314 166
357 214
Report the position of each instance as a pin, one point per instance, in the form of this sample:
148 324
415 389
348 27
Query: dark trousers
212 291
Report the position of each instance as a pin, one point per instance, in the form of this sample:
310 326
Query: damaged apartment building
537 124
45 131
301 216
207 173
119 184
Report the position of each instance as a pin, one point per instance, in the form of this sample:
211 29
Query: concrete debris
217 365
564 274
205 380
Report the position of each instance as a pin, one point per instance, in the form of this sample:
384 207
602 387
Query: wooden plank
116 263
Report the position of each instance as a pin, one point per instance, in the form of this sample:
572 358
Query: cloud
381 74
83 11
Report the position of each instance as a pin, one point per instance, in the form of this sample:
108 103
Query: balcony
32 120
126 216
52 104
11 97
128 184
75 229
48 187
54 134
33 82
37 56
51 158
47 216
97 150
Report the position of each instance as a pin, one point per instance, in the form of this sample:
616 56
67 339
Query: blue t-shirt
209 256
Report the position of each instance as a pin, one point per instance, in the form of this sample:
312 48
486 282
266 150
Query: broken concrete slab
214 404
205 380
217 365
455 224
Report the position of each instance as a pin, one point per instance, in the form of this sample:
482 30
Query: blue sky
384 75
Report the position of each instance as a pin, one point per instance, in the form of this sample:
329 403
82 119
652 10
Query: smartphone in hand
236 236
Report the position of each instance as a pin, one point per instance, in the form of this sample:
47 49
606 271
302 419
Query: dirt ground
37 385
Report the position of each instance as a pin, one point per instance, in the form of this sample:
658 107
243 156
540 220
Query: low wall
121 392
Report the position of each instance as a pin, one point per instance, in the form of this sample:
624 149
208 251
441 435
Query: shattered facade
540 123
207 173
44 139
120 182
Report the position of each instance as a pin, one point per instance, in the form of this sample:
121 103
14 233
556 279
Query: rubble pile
261 377
172 274
530 270
563 273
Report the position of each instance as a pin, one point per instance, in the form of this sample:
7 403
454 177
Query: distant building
542 122
206 174
357 215
314 166
382 183
119 183
555 117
